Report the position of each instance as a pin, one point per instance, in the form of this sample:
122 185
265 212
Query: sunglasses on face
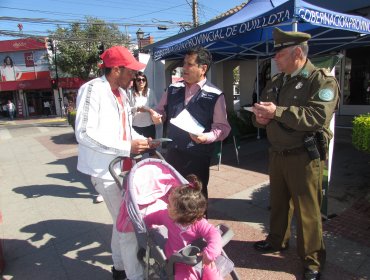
140 80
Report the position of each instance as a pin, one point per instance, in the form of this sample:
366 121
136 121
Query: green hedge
361 133
72 118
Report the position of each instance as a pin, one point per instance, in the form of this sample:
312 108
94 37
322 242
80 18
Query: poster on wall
24 65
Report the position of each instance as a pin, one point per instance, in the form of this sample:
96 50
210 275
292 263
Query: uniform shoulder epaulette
326 72
276 76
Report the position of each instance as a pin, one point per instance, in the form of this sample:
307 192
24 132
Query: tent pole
258 89
295 25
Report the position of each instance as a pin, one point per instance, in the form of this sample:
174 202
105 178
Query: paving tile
353 223
85 256
38 263
51 228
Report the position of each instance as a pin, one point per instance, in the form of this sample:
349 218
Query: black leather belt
289 152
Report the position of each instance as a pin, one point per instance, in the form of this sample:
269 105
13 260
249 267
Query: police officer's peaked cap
284 39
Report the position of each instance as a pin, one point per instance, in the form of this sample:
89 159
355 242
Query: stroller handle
118 159
113 173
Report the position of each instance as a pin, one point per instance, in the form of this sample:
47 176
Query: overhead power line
59 22
84 15
63 19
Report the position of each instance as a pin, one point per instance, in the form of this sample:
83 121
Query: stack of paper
187 122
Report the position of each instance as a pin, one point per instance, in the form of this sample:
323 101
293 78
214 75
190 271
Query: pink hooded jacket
180 236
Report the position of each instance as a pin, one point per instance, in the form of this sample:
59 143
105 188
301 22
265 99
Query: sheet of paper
248 108
187 122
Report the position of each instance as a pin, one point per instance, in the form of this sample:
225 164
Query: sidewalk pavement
51 228
32 120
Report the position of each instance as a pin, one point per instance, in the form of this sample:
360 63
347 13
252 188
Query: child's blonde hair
188 201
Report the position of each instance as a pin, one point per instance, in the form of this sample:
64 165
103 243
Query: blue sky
39 16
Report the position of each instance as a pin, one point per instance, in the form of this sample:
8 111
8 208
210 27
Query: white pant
124 245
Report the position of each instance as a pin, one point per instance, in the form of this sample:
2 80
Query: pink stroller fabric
146 188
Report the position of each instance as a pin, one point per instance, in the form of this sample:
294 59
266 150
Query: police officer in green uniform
295 109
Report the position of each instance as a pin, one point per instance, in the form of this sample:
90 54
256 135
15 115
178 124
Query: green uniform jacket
305 104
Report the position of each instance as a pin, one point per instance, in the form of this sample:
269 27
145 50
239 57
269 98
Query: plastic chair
218 153
218 149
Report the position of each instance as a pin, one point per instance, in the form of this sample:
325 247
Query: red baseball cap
120 56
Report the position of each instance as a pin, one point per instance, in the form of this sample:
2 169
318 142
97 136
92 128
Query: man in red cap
104 131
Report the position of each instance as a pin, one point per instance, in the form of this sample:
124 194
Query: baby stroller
146 189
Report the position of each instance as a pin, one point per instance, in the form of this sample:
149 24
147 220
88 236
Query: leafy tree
77 46
236 74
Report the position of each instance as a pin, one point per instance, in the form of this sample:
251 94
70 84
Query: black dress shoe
265 246
310 274
118 274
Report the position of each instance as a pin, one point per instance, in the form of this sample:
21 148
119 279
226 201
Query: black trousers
188 163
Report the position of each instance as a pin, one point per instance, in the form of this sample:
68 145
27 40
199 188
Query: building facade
26 80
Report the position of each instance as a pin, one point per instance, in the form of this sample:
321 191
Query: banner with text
278 15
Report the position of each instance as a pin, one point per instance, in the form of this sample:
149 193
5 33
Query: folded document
187 122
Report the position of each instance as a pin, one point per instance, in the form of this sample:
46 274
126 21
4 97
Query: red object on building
27 56
146 41
27 84
22 45
28 59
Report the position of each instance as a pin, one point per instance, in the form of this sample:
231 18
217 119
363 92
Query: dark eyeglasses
140 79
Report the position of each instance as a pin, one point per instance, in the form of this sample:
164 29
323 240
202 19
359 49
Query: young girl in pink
184 219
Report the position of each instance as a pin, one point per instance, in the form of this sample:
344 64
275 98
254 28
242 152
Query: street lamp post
139 36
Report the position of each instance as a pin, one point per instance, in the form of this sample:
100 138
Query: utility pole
55 83
57 78
139 36
195 13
